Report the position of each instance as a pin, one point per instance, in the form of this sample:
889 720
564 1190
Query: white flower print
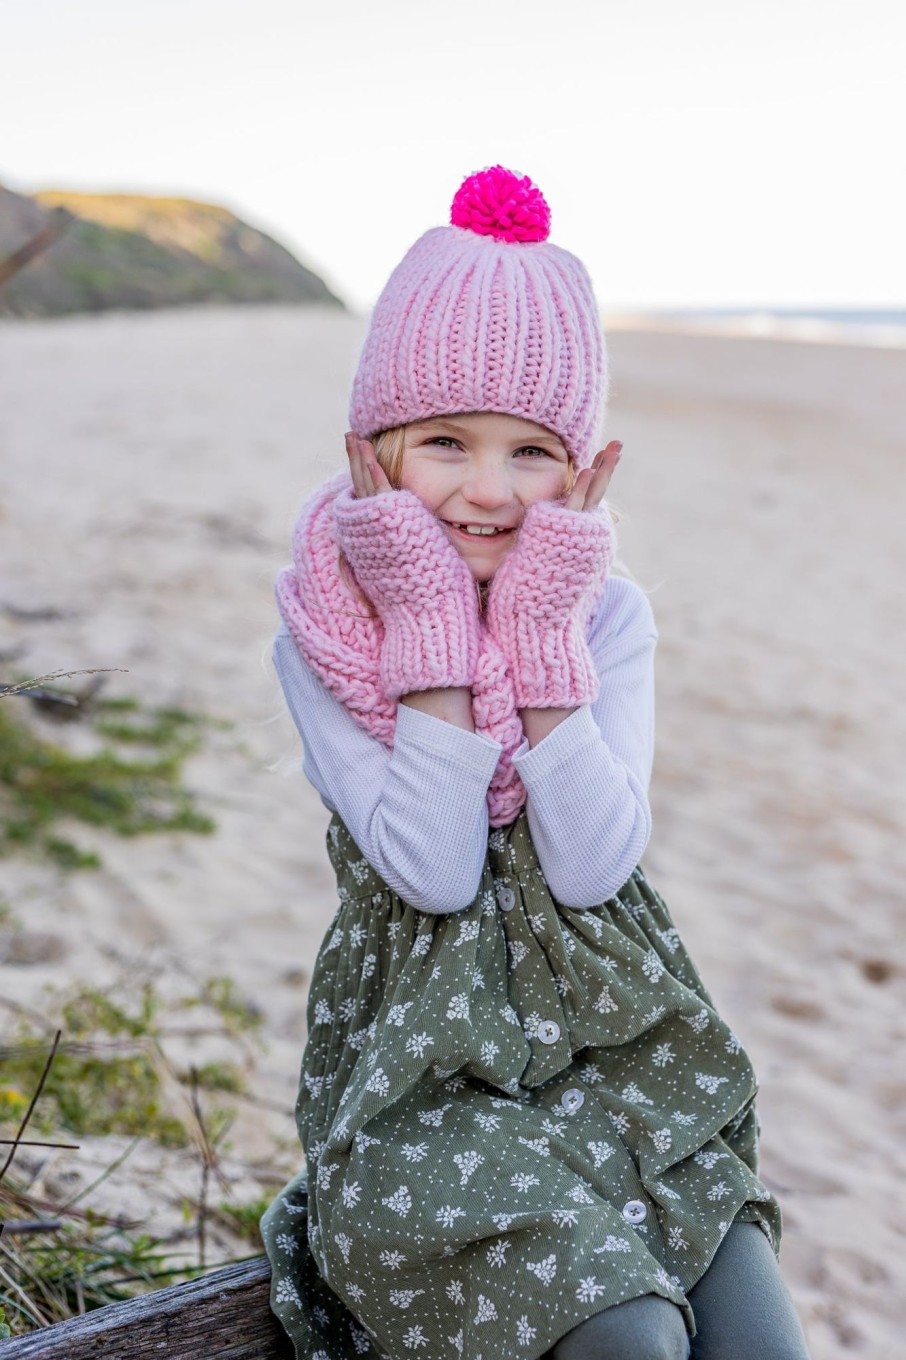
605 1003
518 951
537 922
651 1017
351 1193
458 1008
355 1292
323 1013
600 1151
392 1260
456 1341
561 984
488 903
344 1242
675 1239
358 1039
522 1181
378 1082
510 1015
663 1055
393 929
359 1338
635 1095
497 840
372 1059
708 1158
544 1270
662 1140
697 1023
325 1171
359 869
502 1221
653 967
448 1215
671 939
665 1192
589 1289
706 1081
613 1243
486 1310
357 935
530 1027
402 1298
591 1073
454 1292
397 1014
663 1278
565 1218
335 940
555 1127
539 1145
525 1334
468 930
719 1190
579 1195
414 1152
417 1043
477 980
421 945
468 1163
414 1339
489 1051
400 1202
569 944
287 1243
732 1044
433 1118
454 1084
369 963
314 1152
320 1355
346 1009
286 1293
442 1072
685 1120
497 1253
488 1122
314 1085
365 1140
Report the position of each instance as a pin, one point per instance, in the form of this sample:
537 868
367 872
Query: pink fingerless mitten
420 586
541 599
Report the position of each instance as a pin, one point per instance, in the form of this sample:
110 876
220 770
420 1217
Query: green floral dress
513 1117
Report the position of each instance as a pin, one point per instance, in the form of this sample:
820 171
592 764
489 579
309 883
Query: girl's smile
479 473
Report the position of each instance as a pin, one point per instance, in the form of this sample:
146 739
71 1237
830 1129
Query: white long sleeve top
419 812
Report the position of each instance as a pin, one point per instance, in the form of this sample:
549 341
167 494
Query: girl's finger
379 478
355 465
603 469
576 498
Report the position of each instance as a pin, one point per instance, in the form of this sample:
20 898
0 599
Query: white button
548 1031
506 899
572 1100
634 1211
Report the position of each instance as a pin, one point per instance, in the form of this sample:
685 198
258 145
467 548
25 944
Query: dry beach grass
151 469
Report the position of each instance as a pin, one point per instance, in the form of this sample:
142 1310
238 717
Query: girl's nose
489 487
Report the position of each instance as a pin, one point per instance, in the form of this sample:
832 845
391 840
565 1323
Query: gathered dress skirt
512 1117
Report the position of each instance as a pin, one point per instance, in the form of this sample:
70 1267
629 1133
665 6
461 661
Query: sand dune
150 470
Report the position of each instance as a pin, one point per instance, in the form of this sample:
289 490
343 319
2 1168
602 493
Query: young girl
527 1130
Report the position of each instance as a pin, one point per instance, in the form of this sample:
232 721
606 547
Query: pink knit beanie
487 315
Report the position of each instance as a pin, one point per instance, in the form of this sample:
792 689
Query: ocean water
885 327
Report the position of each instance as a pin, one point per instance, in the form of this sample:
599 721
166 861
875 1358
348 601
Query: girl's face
483 471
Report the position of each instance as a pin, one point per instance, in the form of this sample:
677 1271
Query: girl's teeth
476 529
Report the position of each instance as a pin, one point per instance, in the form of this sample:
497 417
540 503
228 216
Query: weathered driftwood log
226 1314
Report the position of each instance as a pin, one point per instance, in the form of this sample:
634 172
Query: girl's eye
443 439
533 448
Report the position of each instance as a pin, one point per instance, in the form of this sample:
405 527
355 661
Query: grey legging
742 1312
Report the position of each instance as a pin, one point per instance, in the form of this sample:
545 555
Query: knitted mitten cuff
420 586
541 599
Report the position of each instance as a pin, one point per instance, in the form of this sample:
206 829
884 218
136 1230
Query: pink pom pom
496 202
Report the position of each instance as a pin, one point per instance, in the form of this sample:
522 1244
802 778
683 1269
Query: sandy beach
151 467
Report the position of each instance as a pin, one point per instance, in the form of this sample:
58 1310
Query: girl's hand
592 482
368 477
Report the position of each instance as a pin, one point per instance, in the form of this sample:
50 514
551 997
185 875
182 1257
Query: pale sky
708 152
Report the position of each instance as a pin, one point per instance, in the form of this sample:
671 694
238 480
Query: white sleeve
419 815
587 780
